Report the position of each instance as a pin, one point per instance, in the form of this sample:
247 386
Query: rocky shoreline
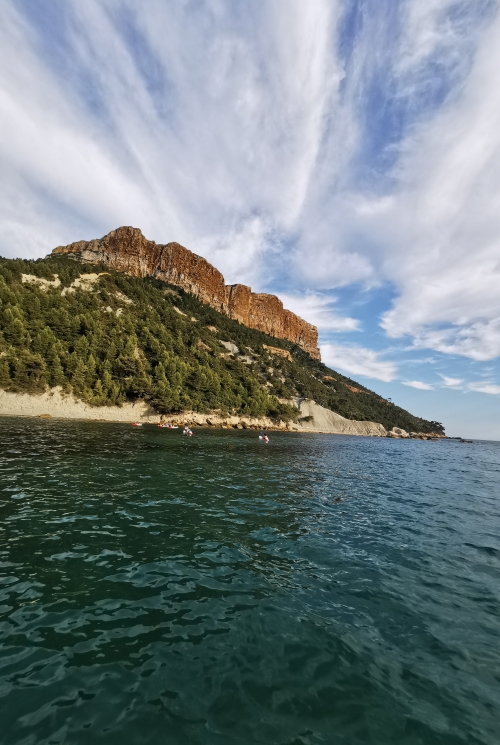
401 434
55 404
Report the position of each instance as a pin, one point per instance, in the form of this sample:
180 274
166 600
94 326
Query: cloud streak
451 382
419 385
489 388
356 360
320 310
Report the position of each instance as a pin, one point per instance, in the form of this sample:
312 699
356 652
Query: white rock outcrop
55 404
398 432
315 418
230 347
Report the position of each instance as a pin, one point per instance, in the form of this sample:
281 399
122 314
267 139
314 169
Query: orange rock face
127 250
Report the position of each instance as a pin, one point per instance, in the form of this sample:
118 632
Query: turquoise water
320 589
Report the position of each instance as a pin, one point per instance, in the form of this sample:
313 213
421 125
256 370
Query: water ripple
319 590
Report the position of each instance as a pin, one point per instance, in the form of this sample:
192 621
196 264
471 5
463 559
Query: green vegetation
123 338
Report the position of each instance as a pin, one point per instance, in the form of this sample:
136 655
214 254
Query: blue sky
344 154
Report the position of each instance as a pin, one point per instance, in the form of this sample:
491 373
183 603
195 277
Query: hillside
110 338
127 250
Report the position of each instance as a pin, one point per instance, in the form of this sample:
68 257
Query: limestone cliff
127 250
315 418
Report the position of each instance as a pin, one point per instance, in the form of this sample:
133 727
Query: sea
218 590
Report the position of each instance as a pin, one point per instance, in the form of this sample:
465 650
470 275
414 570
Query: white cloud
418 384
451 382
237 252
320 311
479 341
449 210
428 34
358 361
430 224
492 389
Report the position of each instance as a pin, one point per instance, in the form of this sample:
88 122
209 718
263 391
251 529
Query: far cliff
127 250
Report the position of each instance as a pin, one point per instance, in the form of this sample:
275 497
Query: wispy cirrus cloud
321 311
490 388
419 385
456 384
451 382
425 215
449 207
356 360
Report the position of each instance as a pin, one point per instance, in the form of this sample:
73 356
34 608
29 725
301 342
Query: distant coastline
55 404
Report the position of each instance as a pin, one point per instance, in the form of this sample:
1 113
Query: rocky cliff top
127 250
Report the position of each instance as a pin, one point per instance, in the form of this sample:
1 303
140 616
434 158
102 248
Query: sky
342 154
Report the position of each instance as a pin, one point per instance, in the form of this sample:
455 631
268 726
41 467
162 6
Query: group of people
188 432
169 425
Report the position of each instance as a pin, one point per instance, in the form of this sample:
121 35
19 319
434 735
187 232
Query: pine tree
15 333
79 377
54 368
4 371
29 372
99 395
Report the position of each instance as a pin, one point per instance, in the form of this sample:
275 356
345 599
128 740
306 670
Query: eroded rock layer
127 250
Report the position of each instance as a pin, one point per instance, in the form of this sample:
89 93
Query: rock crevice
127 250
